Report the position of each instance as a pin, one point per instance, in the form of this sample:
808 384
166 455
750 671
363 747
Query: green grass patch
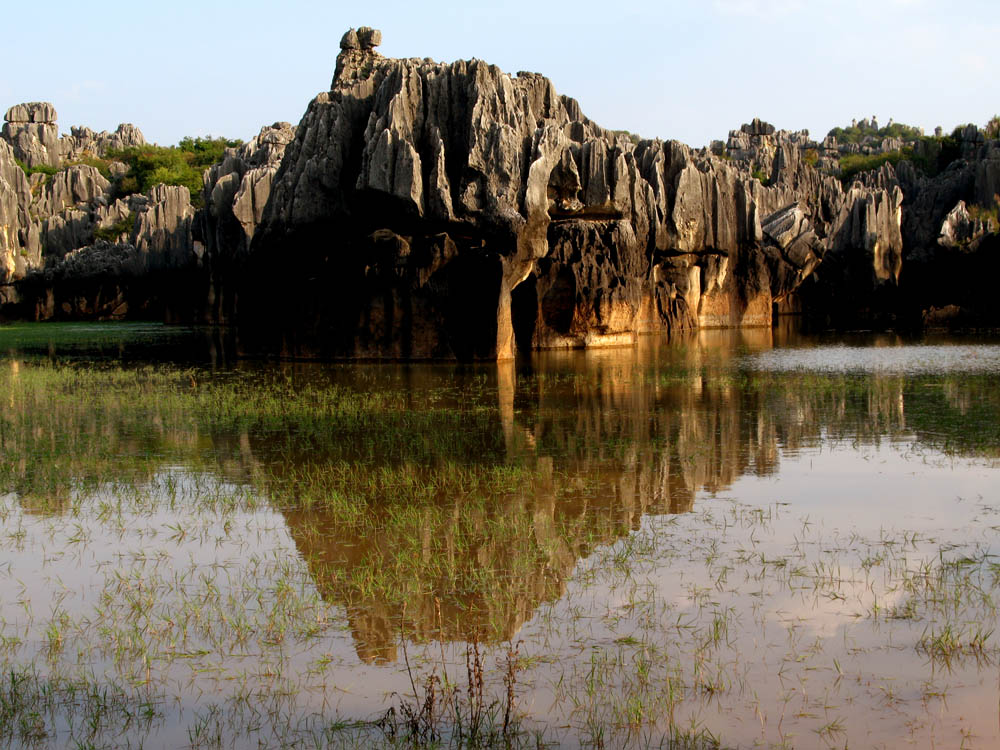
37 169
854 164
113 232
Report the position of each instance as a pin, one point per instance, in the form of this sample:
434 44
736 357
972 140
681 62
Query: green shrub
38 169
183 164
101 165
854 164
91 161
856 133
208 150
761 177
111 233
810 157
634 137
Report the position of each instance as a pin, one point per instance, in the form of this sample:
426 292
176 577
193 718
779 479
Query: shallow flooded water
729 540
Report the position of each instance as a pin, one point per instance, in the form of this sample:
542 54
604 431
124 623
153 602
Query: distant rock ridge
32 132
236 192
451 210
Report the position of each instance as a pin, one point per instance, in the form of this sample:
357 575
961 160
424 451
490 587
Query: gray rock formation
32 132
426 210
162 231
942 258
236 191
432 210
47 217
959 231
68 188
65 231
149 262
19 246
91 282
31 112
84 142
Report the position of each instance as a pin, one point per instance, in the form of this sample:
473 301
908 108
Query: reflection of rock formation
476 491
602 438
458 571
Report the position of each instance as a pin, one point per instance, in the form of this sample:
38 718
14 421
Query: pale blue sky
690 71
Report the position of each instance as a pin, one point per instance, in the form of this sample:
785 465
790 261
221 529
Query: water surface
726 537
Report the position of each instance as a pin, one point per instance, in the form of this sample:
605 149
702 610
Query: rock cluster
19 245
32 132
48 218
440 210
236 191
428 210
959 231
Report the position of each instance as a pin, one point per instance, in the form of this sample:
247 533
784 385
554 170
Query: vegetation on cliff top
852 165
37 169
182 164
930 154
113 232
150 165
858 132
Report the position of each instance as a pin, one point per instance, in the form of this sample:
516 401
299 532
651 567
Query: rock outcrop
49 214
453 210
32 131
946 257
144 270
15 199
236 192
70 187
959 231
68 247
428 210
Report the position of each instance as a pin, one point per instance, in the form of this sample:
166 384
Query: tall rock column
532 239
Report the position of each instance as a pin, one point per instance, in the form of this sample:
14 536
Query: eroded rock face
959 231
945 258
236 191
84 141
32 132
20 247
72 186
426 210
46 219
146 271
453 210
